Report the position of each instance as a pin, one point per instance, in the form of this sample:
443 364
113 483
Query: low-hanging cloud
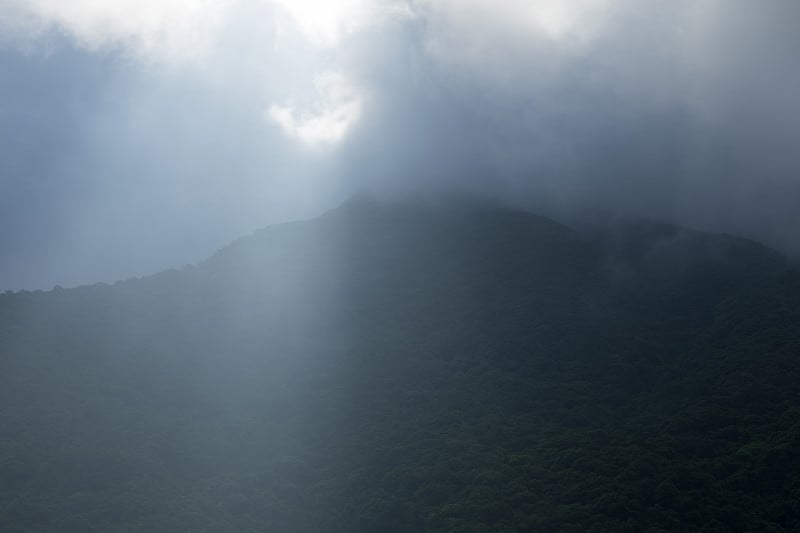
153 132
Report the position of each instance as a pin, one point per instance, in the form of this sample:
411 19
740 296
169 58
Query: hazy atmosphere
140 135
376 266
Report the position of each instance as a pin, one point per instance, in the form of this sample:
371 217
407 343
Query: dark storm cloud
123 164
672 114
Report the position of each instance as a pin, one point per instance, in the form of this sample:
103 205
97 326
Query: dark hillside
410 368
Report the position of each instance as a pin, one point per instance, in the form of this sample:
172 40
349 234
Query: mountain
413 367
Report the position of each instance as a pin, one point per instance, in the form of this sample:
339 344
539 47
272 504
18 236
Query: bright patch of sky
187 32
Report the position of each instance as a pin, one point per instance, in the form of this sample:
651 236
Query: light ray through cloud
327 120
682 111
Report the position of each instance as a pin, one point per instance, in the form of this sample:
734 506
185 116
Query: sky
138 135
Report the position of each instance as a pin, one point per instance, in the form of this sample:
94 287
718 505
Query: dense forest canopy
403 367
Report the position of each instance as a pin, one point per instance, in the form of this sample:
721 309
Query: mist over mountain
413 366
525 266
143 134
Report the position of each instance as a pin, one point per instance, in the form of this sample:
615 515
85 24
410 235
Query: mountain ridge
410 367
608 232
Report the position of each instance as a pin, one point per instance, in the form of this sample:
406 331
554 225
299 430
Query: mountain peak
407 366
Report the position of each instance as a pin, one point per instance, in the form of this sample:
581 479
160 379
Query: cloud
335 111
181 30
683 110
175 30
326 23
460 27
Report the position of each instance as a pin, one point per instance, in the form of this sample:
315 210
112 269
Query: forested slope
408 367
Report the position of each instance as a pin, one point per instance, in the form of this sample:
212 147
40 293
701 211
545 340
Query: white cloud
325 22
329 118
184 29
208 33
487 36
163 29
496 34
